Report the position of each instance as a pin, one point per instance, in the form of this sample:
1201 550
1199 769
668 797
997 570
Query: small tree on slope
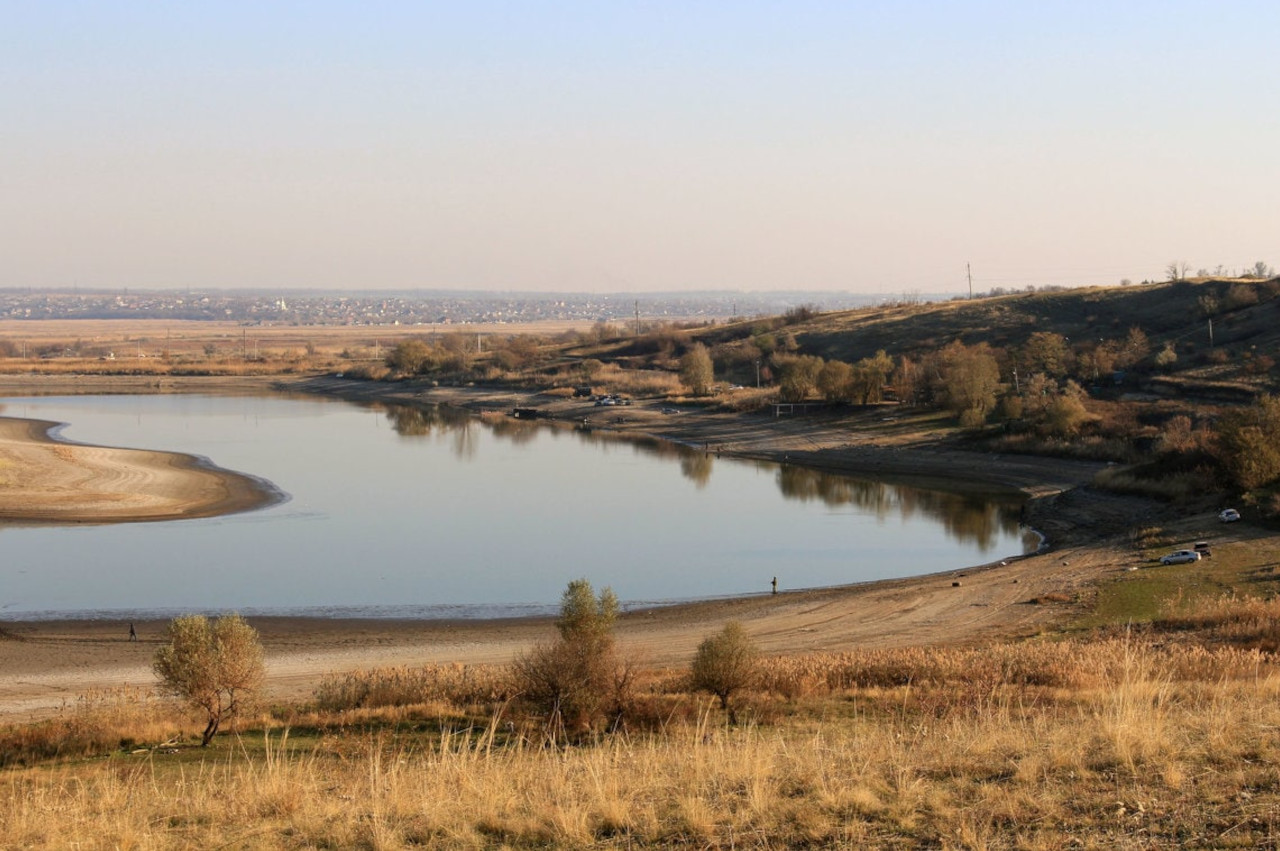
214 665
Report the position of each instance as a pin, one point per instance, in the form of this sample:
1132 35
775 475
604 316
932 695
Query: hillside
1245 319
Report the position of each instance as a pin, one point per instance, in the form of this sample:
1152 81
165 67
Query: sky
877 147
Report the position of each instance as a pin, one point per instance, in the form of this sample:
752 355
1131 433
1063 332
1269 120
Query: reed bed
455 684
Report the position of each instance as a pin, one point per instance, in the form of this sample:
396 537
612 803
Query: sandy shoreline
47 664
43 480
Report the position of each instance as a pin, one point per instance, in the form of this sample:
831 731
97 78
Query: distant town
411 308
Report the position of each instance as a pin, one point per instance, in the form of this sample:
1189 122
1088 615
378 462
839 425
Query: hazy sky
628 146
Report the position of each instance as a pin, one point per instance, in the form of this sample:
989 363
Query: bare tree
214 665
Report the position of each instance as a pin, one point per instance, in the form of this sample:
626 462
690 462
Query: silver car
1180 557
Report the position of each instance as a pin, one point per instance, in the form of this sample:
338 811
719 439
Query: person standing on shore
133 636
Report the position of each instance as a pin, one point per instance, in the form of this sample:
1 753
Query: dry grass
637 383
1169 487
1238 621
456 684
98 722
1108 744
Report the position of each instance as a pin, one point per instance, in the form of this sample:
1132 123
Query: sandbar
43 480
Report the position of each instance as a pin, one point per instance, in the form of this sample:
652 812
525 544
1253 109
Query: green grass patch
1243 568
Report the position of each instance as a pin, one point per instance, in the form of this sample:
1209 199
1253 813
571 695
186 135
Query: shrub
215 665
725 663
1249 443
577 679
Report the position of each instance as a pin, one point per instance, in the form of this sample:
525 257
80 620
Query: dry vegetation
1127 742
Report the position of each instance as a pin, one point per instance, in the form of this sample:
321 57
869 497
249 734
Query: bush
725 663
215 665
578 679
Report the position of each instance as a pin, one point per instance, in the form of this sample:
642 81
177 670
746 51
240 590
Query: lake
397 511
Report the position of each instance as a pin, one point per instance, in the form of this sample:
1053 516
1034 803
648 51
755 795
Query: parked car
1180 557
1202 547
1229 515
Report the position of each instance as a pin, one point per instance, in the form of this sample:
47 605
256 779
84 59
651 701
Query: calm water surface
397 511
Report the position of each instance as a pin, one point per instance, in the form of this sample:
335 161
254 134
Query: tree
870 375
573 678
214 665
584 617
1135 347
409 356
696 371
1046 352
968 378
1249 443
725 663
797 376
835 381
910 382
1066 413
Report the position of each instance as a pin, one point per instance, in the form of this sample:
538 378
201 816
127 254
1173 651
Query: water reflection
979 519
421 421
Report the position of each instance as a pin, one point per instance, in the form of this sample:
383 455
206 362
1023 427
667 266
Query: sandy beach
47 481
45 665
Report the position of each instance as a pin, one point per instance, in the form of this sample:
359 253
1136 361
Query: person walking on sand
133 636
775 585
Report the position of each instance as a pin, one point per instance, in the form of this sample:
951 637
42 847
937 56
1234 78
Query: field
156 347
1081 698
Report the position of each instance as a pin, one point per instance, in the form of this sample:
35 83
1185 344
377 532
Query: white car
1180 557
1229 515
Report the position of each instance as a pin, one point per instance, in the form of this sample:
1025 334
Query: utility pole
637 317
969 271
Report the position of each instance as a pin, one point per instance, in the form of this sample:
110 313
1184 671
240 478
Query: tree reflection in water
978 518
969 517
